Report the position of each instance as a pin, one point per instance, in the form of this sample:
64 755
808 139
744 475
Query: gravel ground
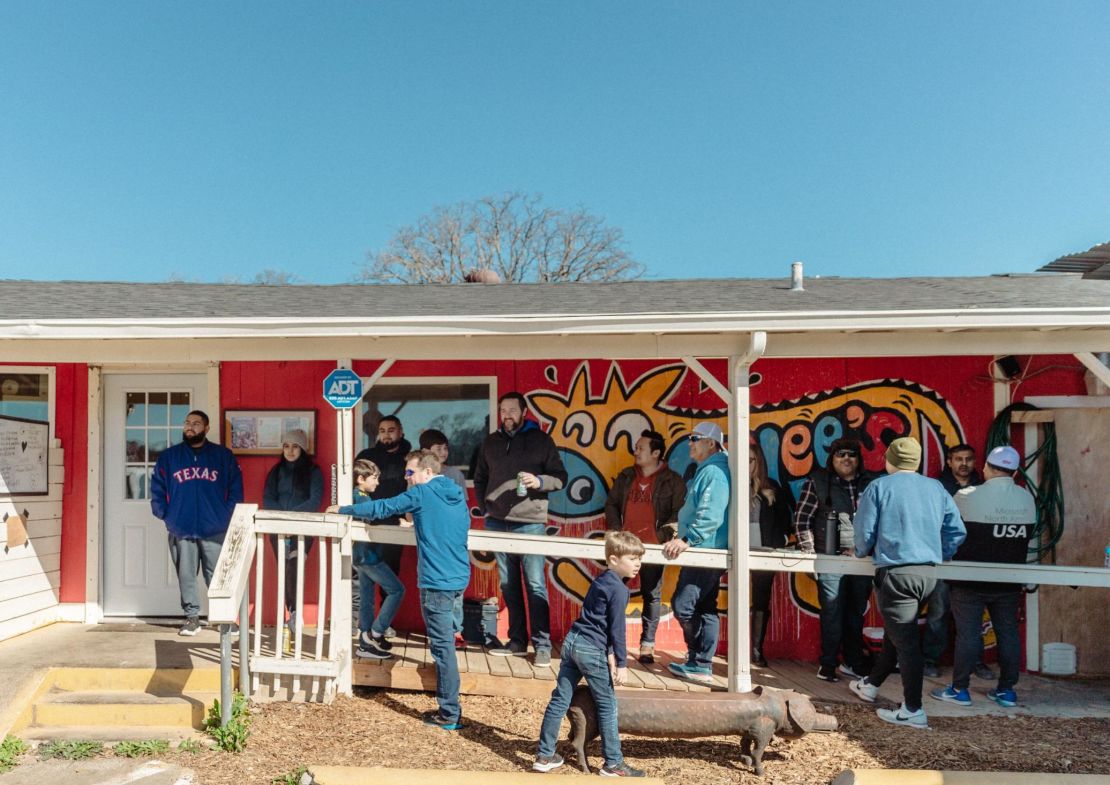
380 727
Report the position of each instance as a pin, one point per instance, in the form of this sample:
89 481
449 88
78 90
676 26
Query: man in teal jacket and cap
702 523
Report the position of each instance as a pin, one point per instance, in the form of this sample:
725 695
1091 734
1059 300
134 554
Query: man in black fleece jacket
388 454
520 452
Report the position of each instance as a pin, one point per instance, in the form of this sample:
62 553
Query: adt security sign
343 388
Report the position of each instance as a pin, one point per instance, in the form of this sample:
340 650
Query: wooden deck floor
484 674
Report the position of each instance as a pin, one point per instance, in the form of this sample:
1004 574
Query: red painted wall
943 400
71 426
940 398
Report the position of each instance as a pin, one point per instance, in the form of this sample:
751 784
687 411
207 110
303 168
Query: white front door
143 415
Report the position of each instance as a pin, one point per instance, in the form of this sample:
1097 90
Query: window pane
461 411
159 412
179 407
136 408
25 395
136 483
136 445
157 441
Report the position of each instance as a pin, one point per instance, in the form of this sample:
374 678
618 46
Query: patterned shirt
808 504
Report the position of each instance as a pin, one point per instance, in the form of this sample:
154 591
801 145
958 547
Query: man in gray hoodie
518 465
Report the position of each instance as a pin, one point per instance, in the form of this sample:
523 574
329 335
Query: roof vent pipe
796 277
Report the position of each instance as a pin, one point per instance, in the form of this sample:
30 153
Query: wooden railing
323 670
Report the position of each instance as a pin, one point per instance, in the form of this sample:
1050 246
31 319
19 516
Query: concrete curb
362 775
933 777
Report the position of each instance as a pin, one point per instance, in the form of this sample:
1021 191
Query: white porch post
344 449
341 626
739 589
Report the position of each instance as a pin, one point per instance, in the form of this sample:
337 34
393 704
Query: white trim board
1070 401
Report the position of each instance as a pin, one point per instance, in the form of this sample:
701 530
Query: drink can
521 490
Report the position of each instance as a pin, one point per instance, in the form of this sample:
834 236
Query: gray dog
756 716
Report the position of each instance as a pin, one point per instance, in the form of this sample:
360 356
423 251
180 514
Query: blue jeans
651 591
189 556
967 609
438 609
393 591
843 604
695 606
582 659
509 567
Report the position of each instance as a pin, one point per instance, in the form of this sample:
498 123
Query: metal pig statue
755 716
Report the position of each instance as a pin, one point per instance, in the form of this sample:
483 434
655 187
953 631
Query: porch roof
833 316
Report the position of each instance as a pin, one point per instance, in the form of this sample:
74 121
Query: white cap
709 430
1004 457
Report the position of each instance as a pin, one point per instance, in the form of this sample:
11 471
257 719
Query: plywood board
1081 616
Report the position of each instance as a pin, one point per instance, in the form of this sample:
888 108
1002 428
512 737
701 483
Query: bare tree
514 235
272 277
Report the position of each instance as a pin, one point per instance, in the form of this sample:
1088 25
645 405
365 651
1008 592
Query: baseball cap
1004 457
708 430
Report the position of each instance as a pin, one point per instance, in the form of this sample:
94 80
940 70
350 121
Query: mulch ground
380 727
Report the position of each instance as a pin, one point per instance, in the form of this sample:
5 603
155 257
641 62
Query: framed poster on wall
23 457
259 431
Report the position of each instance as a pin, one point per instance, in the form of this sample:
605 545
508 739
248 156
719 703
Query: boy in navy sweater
594 641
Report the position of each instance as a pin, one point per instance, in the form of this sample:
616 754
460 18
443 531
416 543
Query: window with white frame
25 394
461 408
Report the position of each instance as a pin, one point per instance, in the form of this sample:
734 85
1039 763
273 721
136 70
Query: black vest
832 494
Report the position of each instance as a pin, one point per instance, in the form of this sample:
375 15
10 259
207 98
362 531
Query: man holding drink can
518 466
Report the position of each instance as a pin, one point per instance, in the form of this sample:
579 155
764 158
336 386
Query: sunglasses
846 454
409 473
696 438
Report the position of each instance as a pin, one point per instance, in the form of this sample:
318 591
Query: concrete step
159 681
110 734
121 708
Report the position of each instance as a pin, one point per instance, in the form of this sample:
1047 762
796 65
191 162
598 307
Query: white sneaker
850 672
903 716
864 690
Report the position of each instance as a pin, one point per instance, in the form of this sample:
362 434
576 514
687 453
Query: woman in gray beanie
295 484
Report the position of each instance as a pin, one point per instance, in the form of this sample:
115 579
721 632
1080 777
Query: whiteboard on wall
23 456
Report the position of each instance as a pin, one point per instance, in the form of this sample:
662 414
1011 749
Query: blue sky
143 140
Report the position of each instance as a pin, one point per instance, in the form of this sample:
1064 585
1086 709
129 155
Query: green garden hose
1048 493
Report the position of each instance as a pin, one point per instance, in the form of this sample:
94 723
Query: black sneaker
435 719
546 764
378 640
623 770
983 671
827 673
514 649
647 654
371 651
191 627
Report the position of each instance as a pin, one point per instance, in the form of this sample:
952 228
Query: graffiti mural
596 425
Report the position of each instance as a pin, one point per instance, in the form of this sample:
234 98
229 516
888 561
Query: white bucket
1058 659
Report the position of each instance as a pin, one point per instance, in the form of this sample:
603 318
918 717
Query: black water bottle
832 533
